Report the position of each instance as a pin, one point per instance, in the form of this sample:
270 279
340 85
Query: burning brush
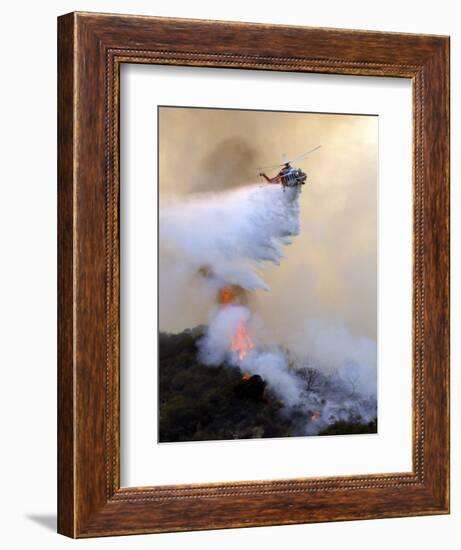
241 342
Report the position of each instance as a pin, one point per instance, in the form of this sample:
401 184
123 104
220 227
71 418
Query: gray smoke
231 162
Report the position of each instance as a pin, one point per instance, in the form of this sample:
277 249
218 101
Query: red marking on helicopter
289 176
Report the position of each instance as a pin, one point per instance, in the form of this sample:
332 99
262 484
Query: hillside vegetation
202 403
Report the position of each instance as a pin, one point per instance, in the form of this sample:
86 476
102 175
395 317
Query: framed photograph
253 259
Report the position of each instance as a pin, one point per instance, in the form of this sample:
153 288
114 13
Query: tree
313 379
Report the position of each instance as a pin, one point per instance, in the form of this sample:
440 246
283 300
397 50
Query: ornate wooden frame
91 49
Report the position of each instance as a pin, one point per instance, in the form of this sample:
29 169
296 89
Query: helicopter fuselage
288 177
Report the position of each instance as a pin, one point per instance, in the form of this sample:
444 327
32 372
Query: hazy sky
330 270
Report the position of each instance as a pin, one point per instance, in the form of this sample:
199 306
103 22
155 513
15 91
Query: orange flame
232 294
241 342
226 295
246 376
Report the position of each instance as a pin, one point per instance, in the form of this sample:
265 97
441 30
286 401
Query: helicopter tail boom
269 180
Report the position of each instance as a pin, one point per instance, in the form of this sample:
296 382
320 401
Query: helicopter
288 176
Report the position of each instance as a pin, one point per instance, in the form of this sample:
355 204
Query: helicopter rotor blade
305 154
271 167
292 160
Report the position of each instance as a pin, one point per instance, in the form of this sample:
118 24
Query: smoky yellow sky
330 270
